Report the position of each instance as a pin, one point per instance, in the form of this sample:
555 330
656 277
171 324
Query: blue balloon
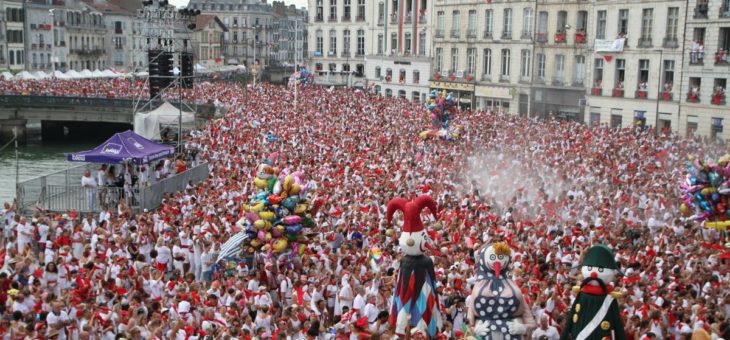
289 203
293 229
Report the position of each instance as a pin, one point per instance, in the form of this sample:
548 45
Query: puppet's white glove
482 328
516 328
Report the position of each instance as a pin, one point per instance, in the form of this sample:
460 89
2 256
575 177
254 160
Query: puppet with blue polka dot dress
497 310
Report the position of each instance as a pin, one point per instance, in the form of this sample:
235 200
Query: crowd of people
549 189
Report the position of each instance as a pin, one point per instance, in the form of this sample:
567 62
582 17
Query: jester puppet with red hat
595 314
415 293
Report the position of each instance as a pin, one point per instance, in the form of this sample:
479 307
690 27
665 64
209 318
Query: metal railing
150 197
58 101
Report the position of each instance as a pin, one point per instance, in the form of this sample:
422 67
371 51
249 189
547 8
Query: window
472 28
471 60
527 22
333 42
378 72
647 19
407 42
562 21
601 25
360 42
623 21
507 22
668 75
402 76
361 10
393 42
541 66
440 23
415 96
525 64
455 24
505 62
346 41
333 10
346 10
439 59
542 26
620 73
598 72
381 13
487 67
388 93
454 59
320 42
581 22
643 71
672 23
401 93
381 40
724 42
559 68
416 76
488 22
580 70
422 43
716 131
388 72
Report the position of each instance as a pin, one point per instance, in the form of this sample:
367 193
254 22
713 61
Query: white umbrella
97 74
109 74
24 75
61 75
41 75
7 75
85 73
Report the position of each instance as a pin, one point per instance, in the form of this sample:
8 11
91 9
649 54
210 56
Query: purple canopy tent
124 147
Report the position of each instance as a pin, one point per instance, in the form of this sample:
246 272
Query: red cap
412 211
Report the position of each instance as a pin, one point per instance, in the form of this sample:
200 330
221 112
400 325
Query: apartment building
290 32
124 47
638 50
14 32
705 70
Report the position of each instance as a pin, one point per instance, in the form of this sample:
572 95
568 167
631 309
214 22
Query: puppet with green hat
595 314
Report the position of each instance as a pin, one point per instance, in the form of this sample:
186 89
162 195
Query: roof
202 21
108 8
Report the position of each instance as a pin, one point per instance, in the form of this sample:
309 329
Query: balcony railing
360 18
722 58
670 42
507 35
332 19
560 38
471 34
332 53
526 35
645 42
455 33
640 94
666 96
701 11
409 19
319 18
422 19
718 99
439 34
693 97
487 34
724 11
346 18
618 93
393 19
696 58
580 38
345 54
541 37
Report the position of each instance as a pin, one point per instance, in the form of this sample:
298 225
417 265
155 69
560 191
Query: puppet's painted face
414 243
496 258
597 275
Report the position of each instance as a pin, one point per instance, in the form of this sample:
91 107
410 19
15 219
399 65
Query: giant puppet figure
497 309
594 314
415 293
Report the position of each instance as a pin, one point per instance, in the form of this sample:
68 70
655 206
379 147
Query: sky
299 3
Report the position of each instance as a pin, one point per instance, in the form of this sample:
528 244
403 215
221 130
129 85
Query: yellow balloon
280 228
708 191
261 183
295 189
267 215
255 243
258 207
684 210
266 247
279 245
302 248
300 209
424 134
268 236
259 224
389 232
288 181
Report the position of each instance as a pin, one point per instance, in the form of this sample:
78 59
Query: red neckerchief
596 290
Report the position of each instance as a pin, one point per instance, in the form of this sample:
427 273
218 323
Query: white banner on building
610 45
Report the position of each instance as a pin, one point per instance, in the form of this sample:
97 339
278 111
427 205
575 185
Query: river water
35 159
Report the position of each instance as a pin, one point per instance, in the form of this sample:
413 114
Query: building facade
39 31
638 49
705 71
399 44
338 41
86 33
250 29
208 39
289 34
124 47
14 31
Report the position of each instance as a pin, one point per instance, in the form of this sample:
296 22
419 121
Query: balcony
455 33
722 58
645 43
381 21
345 54
332 19
724 12
332 53
422 19
503 78
640 94
666 96
718 98
506 36
701 11
560 38
670 42
408 20
526 35
487 77
319 18
541 37
471 34
696 58
557 81
359 54
346 18
580 38
618 93
693 97
393 19
487 34
439 34
360 18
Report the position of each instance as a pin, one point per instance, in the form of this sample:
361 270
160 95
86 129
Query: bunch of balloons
301 78
277 218
706 192
443 134
440 105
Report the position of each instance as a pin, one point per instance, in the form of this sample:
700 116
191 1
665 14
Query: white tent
141 74
97 74
61 75
72 74
7 75
109 74
199 67
24 75
148 124
41 75
85 73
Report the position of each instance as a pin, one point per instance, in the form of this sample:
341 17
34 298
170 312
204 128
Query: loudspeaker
153 68
186 69
166 62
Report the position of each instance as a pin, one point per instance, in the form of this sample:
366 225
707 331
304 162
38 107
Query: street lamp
658 90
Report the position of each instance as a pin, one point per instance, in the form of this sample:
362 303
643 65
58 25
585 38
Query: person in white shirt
58 319
545 332
25 235
90 185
